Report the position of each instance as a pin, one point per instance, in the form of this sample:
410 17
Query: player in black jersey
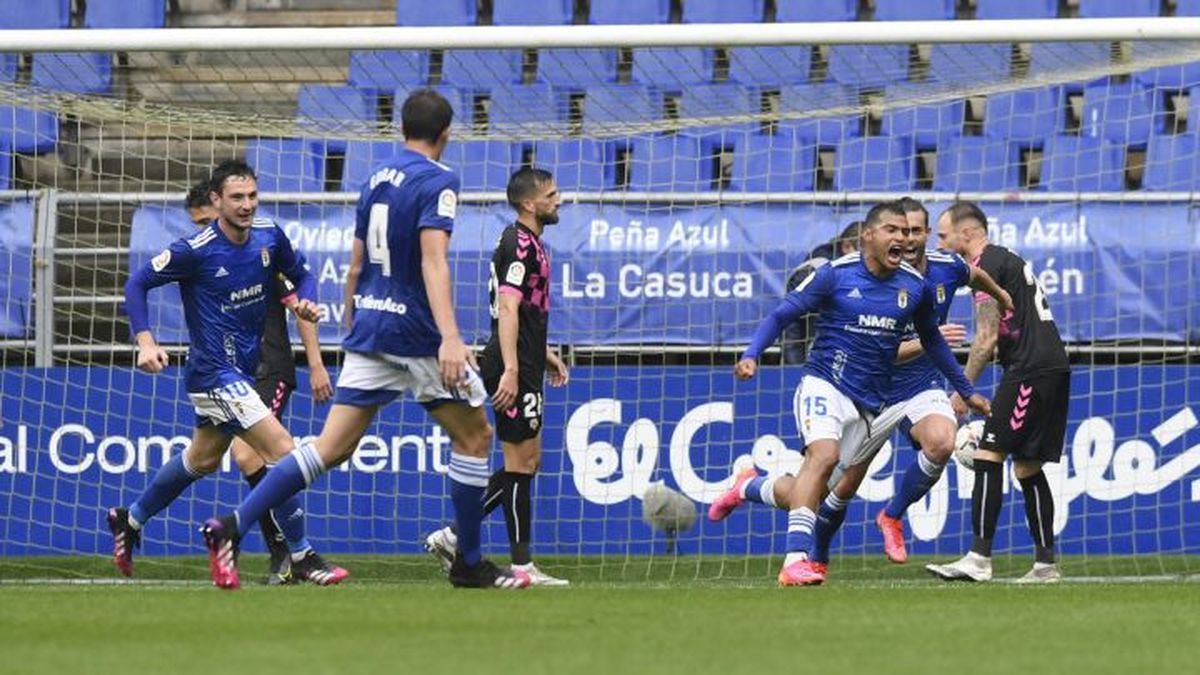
515 363
1029 411
275 380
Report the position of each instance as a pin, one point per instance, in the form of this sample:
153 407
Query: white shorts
824 413
915 409
377 379
233 407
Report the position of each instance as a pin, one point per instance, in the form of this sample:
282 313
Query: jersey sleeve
807 297
439 204
362 215
993 265
961 270
513 271
291 263
176 263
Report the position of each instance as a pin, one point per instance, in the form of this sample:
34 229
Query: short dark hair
524 183
197 197
425 115
875 215
229 169
851 232
963 210
911 205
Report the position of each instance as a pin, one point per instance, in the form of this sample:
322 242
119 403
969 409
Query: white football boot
1042 573
443 545
538 577
971 567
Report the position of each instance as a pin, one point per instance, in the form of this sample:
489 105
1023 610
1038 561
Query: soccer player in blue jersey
403 337
224 275
916 401
865 303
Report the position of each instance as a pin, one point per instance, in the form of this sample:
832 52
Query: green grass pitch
637 616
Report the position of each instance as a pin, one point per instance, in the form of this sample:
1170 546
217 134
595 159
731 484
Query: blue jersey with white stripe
860 322
945 273
225 289
407 194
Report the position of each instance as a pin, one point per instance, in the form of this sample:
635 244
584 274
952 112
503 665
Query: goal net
696 179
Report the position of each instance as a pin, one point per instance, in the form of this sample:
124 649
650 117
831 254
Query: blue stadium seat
444 13
532 12
1182 76
361 159
287 164
78 73
874 163
720 100
607 106
671 163
789 11
528 108
1052 58
578 164
770 66
723 11
824 130
1193 110
970 63
386 70
625 12
1124 113
481 68
1082 164
334 102
8 67
977 164
125 14
913 10
672 68
1173 163
23 14
462 102
577 68
780 162
482 166
1026 116
1016 9
928 124
29 131
1100 9
1187 7
868 66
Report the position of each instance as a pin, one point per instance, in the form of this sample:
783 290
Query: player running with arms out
403 337
224 274
515 363
274 381
916 399
865 301
1030 417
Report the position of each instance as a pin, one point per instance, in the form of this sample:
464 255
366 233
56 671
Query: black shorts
1029 417
274 391
523 421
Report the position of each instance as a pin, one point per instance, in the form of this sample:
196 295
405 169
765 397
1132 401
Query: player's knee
940 449
203 463
1024 468
478 442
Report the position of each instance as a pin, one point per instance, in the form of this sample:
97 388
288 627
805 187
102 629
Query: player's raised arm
806 297
983 282
939 352
292 264
175 263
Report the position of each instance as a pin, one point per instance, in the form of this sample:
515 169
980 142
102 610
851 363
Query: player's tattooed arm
987 331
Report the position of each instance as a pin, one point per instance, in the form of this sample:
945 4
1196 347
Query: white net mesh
696 181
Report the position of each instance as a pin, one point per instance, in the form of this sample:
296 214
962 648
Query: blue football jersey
860 321
225 289
391 308
945 273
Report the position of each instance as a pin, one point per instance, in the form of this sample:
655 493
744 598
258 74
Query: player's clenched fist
745 369
152 359
306 310
980 404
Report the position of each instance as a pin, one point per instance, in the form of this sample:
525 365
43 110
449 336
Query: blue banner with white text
706 275
75 441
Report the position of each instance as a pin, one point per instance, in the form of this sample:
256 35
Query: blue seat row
781 162
558 12
23 14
